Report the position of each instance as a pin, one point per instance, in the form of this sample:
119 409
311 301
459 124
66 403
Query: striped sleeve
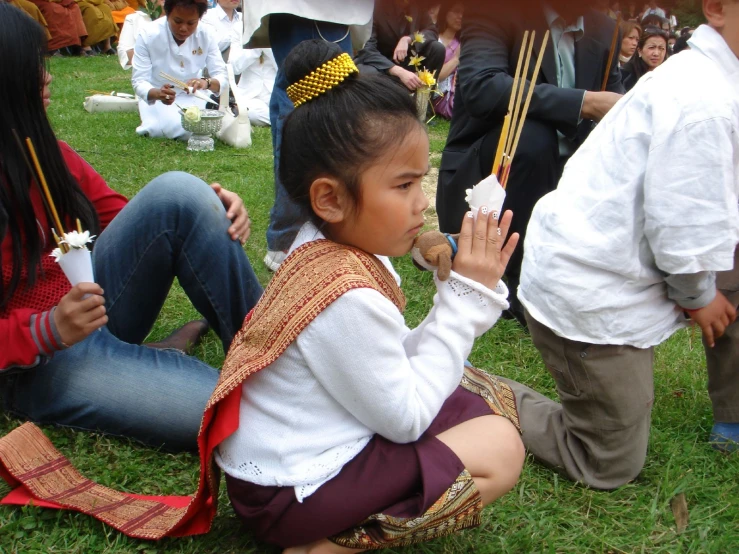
26 337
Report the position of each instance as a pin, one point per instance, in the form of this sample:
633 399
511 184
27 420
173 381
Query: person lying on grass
72 356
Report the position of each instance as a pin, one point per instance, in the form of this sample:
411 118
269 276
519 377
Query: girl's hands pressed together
76 316
481 255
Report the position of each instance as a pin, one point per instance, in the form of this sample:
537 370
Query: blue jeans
285 32
175 227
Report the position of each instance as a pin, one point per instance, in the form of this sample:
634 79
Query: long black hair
22 73
342 131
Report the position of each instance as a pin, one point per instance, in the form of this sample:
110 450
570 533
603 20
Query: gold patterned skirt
390 494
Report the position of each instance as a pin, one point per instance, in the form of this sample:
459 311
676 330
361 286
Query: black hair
22 72
342 131
201 5
636 67
446 7
681 44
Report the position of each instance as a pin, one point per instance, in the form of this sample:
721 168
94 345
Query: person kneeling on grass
642 230
73 356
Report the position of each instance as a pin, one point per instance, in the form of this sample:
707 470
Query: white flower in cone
56 254
77 240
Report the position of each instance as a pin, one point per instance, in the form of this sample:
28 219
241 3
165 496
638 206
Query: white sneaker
274 259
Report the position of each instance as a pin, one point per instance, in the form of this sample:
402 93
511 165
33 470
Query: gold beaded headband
322 79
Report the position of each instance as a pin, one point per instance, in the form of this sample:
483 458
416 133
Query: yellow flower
415 61
409 19
427 77
418 38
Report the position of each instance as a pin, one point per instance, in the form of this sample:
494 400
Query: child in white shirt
645 216
361 420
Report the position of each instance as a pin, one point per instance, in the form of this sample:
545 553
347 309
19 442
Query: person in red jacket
72 356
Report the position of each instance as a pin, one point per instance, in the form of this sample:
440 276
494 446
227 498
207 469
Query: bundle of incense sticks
182 85
516 116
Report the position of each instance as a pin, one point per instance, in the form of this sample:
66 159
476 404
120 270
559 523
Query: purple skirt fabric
402 480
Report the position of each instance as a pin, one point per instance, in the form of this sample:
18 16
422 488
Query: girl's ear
329 200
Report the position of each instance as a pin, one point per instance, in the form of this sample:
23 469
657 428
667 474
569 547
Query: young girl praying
353 431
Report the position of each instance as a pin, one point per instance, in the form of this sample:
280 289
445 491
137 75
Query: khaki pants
722 360
598 433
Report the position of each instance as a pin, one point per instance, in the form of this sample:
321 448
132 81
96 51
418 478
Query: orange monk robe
98 20
64 22
120 9
33 10
136 4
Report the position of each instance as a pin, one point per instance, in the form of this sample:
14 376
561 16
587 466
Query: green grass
543 514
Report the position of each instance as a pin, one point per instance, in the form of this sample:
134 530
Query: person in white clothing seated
255 69
341 429
178 46
228 25
256 84
132 26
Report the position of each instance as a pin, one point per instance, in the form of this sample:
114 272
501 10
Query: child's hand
714 318
76 317
481 255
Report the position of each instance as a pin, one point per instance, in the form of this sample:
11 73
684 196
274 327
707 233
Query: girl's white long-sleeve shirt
355 371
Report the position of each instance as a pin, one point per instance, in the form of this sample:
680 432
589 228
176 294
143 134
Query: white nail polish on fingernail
469 214
495 215
484 210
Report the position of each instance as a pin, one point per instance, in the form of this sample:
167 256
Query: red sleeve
107 202
26 336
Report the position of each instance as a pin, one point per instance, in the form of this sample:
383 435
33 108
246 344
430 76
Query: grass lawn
543 514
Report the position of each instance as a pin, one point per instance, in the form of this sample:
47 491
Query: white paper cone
489 193
77 266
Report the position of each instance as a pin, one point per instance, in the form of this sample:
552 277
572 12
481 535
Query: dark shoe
725 437
110 52
89 53
185 338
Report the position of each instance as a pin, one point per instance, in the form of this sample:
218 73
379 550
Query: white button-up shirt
156 51
227 30
652 192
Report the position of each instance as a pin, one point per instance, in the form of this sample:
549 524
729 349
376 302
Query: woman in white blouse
178 46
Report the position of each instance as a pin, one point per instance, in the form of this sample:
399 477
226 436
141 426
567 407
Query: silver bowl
202 131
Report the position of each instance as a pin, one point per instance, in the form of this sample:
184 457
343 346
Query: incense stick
530 94
45 187
611 53
31 171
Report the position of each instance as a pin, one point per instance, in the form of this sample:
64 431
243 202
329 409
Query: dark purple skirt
401 480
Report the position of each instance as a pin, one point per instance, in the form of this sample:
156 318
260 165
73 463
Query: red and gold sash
307 282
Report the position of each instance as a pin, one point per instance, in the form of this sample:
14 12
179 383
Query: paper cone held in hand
77 263
487 192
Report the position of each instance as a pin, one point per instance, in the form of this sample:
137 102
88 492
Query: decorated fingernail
495 215
498 231
469 214
484 210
